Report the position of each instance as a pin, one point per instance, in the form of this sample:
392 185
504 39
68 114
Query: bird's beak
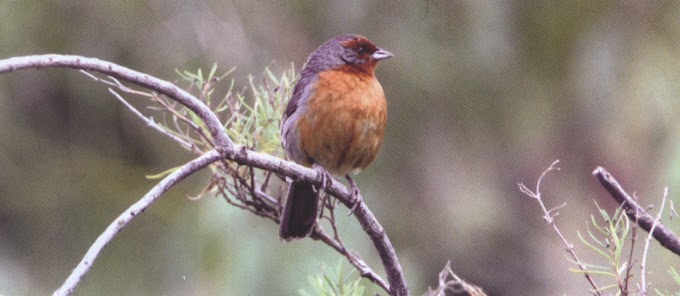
381 54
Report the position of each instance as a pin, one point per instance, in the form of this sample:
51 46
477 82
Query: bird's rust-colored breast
344 125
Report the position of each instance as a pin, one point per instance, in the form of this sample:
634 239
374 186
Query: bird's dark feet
326 178
355 194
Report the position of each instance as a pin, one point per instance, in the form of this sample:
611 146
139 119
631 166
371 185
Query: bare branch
549 215
126 217
215 128
149 121
636 213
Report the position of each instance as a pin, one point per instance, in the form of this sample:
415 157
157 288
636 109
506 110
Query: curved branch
636 213
126 217
228 150
215 128
368 221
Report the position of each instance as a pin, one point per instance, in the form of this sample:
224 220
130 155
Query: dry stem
549 216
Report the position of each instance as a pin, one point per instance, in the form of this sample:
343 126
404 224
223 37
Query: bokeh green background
482 95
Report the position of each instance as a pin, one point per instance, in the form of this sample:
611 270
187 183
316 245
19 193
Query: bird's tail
299 213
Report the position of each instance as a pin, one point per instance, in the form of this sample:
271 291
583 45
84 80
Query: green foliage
606 238
251 116
251 120
337 284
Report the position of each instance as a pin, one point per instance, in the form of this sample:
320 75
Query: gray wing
296 107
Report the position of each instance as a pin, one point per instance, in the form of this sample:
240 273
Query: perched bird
334 122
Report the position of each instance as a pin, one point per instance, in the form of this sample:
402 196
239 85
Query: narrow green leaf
593 272
593 248
271 75
587 265
162 174
674 274
227 74
213 69
592 236
200 75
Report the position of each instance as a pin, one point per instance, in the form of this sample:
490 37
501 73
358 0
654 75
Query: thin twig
150 122
629 268
116 83
177 115
358 263
449 281
113 82
643 262
549 216
673 211
128 215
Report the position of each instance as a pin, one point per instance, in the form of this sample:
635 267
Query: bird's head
347 51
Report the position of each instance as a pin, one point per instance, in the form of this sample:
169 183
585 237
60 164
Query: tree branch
126 217
636 213
318 231
215 128
368 221
226 148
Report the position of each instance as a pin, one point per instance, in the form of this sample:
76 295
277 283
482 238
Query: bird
334 123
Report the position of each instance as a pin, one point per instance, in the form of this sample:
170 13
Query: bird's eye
362 50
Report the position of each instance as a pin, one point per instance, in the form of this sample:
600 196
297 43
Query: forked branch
549 217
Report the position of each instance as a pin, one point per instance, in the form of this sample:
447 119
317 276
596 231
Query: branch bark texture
636 213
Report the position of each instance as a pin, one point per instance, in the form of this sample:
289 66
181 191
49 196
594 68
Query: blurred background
482 95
